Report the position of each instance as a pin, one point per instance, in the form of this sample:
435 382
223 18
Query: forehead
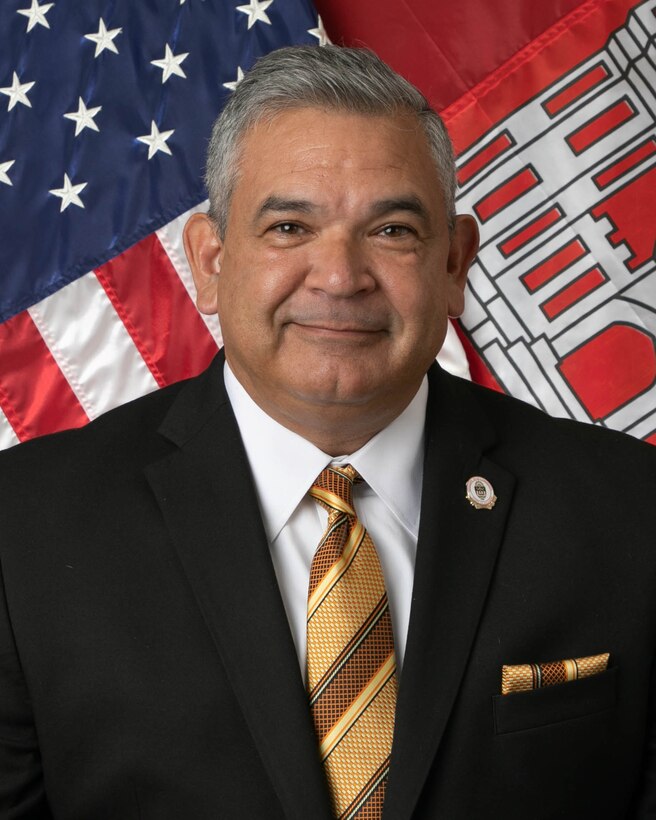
325 148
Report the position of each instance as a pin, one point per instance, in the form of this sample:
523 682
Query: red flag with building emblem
551 109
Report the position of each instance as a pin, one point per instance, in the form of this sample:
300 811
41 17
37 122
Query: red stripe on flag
484 157
601 126
625 164
530 231
506 193
576 89
556 264
157 312
34 394
579 288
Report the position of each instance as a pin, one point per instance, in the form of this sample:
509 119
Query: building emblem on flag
560 188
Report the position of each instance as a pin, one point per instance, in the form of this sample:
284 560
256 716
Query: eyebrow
277 204
411 204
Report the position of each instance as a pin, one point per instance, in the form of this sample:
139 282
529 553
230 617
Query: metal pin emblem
480 493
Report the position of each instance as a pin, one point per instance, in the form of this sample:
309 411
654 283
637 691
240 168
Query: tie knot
333 488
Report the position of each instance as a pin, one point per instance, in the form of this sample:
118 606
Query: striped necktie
351 667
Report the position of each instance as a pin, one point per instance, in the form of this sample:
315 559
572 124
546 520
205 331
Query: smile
337 331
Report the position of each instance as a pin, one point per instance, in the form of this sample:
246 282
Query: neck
336 427
337 431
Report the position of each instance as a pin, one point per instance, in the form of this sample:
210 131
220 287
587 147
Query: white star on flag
156 140
240 76
4 167
69 193
320 33
36 14
17 92
256 10
103 38
170 64
83 117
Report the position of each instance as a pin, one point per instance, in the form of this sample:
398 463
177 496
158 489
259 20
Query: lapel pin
480 493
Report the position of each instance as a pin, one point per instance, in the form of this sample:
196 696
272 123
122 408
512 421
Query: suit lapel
209 505
456 555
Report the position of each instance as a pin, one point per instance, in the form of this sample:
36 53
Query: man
155 647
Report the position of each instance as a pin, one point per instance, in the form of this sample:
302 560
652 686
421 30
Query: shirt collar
284 464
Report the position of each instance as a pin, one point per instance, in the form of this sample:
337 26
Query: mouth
338 330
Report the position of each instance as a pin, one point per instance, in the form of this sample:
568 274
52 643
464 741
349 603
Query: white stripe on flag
7 436
91 346
170 237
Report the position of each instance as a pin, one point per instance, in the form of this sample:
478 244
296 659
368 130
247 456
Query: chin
344 392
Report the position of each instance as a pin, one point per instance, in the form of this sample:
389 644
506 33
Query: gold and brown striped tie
351 667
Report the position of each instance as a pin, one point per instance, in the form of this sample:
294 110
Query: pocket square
527 676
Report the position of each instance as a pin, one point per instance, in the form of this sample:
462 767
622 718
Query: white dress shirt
284 466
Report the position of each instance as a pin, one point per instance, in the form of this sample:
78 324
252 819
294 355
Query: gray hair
351 80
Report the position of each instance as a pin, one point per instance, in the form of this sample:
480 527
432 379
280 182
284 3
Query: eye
287 229
396 231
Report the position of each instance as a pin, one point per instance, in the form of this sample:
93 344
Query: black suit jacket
147 668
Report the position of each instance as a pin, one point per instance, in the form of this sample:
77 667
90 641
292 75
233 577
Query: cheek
417 298
246 286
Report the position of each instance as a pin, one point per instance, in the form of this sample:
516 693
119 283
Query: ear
463 249
204 250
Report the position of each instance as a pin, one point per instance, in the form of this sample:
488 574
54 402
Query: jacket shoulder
129 428
529 433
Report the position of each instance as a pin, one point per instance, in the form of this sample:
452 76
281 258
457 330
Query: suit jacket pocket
554 704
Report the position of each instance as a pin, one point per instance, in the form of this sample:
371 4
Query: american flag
105 113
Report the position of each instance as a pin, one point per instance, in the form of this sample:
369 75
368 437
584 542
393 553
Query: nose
340 267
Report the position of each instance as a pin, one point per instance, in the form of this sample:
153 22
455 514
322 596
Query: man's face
337 270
